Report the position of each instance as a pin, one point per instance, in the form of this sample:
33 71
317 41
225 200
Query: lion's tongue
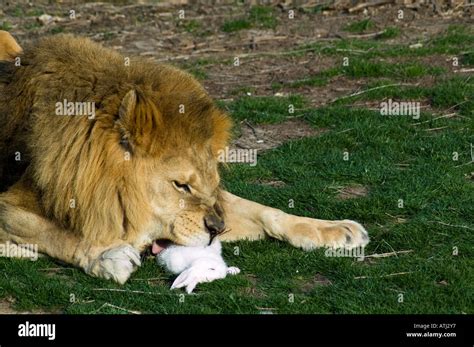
158 246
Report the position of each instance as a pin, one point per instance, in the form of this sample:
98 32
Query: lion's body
98 189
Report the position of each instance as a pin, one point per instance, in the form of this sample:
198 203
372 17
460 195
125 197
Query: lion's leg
21 223
250 220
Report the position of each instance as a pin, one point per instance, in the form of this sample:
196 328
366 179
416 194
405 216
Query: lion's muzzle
215 225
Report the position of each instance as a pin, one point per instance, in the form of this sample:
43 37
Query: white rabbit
194 264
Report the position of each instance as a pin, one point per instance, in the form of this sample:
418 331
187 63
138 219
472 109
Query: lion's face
184 197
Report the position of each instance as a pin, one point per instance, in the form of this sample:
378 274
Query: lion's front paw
313 233
116 263
345 233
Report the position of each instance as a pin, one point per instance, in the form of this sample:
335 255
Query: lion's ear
9 48
222 127
140 120
128 104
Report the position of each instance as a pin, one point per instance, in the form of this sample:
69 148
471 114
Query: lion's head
176 156
172 140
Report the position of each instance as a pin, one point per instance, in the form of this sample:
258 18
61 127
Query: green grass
390 33
432 185
108 35
32 25
18 11
34 12
455 94
258 17
198 67
360 26
265 110
263 17
456 35
56 30
316 9
359 68
236 25
192 26
5 26
468 58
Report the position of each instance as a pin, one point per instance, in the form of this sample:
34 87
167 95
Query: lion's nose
214 224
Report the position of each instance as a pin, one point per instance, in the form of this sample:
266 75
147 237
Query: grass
5 26
362 68
198 67
32 25
468 58
265 109
236 25
108 35
390 33
263 17
434 190
258 17
359 68
365 25
360 26
192 26
455 94
318 80
317 9
18 11
56 30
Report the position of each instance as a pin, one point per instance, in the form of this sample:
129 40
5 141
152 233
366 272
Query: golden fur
97 191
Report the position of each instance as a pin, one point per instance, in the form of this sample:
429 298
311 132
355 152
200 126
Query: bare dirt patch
267 136
252 289
351 192
307 285
272 183
7 307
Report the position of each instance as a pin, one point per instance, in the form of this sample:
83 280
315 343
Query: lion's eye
182 187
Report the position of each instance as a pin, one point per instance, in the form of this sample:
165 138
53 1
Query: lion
97 191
